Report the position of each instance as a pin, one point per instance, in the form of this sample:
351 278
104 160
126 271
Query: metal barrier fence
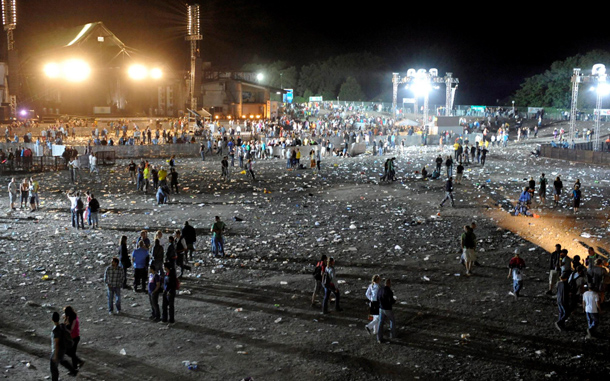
33 164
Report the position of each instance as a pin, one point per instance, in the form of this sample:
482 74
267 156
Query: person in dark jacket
554 268
169 293
448 191
190 237
124 258
385 296
563 301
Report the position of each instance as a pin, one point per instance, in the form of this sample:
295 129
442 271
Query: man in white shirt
93 164
75 165
591 306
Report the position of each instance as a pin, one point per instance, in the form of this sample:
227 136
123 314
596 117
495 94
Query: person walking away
591 305
371 295
190 237
449 192
385 296
515 269
468 242
72 324
113 278
563 302
154 288
542 189
169 293
329 284
58 349
317 276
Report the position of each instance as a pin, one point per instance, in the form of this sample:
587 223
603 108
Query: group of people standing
26 192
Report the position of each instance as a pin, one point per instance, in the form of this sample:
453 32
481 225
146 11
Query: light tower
193 35
9 21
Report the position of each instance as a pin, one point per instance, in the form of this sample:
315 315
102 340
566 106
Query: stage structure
599 77
421 82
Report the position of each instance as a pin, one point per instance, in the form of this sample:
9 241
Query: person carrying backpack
317 277
329 284
60 343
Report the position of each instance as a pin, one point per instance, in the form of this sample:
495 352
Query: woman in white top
371 295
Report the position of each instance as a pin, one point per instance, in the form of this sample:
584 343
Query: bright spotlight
76 70
603 88
52 70
137 72
23 112
156 73
260 77
421 87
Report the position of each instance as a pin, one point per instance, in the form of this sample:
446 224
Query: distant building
236 94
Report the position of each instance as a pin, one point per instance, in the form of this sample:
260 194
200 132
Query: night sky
489 49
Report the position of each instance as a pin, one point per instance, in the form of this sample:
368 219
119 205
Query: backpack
65 339
317 272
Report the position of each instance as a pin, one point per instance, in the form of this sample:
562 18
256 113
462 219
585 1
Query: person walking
113 278
154 289
329 284
169 293
554 268
317 276
515 269
449 166
385 296
371 295
542 182
563 302
591 305
72 324
449 192
58 349
190 237
468 242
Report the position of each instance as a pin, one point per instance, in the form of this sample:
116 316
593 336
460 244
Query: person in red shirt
317 275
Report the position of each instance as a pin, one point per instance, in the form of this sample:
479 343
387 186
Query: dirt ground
250 314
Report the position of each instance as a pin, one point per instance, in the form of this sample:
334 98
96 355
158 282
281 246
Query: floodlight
599 69
137 72
76 70
411 73
194 24
52 70
259 77
156 73
603 88
9 14
23 112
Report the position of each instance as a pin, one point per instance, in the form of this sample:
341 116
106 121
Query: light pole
599 73
193 35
